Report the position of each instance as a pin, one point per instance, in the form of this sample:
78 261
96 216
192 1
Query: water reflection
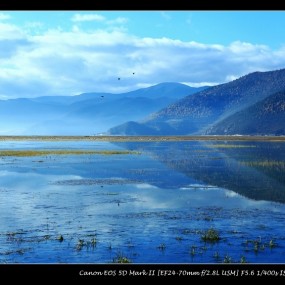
168 194
253 169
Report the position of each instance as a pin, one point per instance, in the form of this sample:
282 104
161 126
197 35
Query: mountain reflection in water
255 170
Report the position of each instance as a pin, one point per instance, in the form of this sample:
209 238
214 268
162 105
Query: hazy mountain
131 128
168 89
263 118
17 115
199 113
85 114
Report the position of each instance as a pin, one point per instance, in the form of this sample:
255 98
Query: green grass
27 153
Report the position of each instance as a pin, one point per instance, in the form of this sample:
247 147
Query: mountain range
253 105
85 114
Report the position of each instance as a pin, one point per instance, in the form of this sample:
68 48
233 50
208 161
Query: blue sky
70 52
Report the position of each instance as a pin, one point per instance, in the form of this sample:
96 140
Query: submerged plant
120 258
193 250
272 243
80 244
161 246
208 219
227 259
262 247
243 259
211 235
204 248
60 238
93 241
216 255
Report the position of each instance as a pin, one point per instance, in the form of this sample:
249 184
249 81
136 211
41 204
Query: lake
142 202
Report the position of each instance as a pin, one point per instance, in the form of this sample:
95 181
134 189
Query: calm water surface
153 206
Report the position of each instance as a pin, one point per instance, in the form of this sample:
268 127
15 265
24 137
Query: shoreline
143 138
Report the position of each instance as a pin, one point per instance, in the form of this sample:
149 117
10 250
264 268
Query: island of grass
24 153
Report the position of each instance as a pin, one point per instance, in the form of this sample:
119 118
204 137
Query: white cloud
200 84
75 61
34 25
10 32
145 186
4 17
119 20
231 77
87 18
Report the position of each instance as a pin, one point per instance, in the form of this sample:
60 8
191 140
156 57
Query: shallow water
150 207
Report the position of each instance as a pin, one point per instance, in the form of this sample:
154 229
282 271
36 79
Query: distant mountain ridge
85 114
207 111
263 118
